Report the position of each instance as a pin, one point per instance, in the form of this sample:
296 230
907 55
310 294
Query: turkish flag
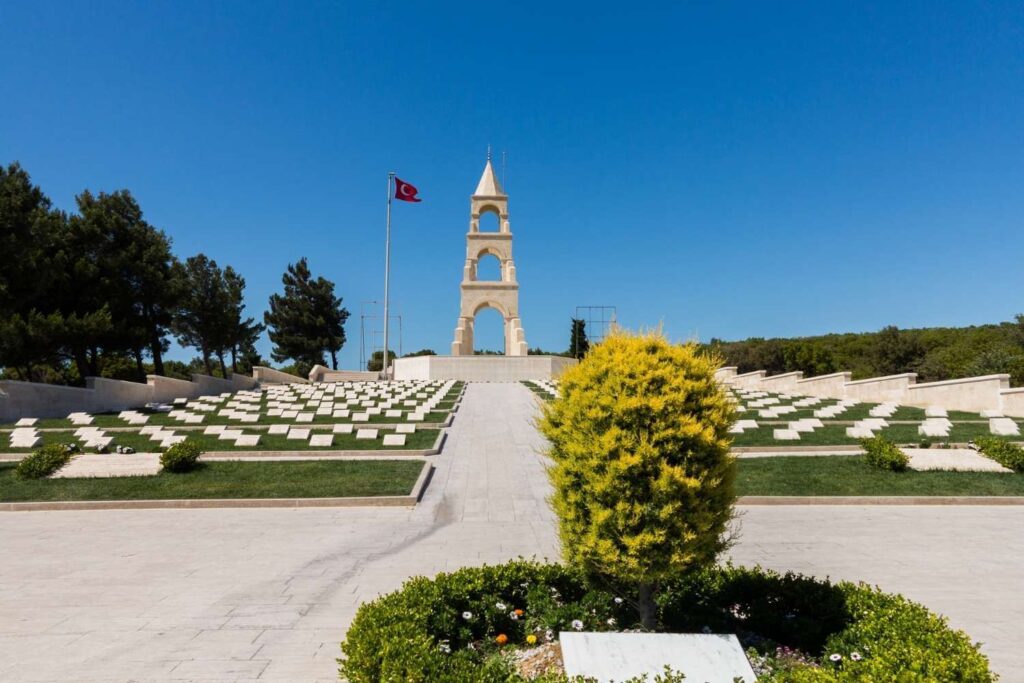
405 191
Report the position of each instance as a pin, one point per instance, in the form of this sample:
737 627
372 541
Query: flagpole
387 276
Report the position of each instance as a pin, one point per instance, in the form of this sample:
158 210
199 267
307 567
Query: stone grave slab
366 434
394 439
405 429
935 412
951 459
278 429
248 440
110 465
703 658
298 434
26 422
321 440
343 428
1003 426
786 435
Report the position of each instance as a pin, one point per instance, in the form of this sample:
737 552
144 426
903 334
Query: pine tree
203 319
578 342
307 320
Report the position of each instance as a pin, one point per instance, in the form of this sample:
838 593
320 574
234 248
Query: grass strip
842 475
304 479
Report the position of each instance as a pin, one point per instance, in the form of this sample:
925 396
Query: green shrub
1009 455
643 477
44 462
181 457
420 633
884 455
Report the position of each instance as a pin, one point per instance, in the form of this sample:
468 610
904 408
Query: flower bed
465 626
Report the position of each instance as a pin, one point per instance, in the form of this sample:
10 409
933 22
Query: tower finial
488 151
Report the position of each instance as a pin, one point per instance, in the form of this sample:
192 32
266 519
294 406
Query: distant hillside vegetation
934 353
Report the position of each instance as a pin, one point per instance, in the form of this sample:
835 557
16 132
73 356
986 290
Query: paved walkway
247 595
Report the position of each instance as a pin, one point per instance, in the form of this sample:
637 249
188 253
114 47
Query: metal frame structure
376 333
598 320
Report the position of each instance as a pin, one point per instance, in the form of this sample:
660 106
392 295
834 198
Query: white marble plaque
703 658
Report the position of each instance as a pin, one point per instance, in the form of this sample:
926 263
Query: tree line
99 293
934 353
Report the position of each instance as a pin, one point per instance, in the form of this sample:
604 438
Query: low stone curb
199 503
880 500
852 449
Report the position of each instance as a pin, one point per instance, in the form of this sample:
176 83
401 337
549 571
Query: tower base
482 368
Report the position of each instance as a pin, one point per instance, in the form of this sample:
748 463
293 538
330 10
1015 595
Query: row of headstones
548 386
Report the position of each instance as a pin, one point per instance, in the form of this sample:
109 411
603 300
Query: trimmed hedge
448 628
44 462
181 457
882 454
1009 455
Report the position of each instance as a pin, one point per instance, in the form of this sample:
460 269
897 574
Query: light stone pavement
265 595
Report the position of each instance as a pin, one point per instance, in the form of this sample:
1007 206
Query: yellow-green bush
641 470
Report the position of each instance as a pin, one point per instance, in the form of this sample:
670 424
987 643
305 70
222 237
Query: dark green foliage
421 352
95 293
44 462
936 353
419 633
1009 455
210 315
181 457
883 454
375 364
307 320
578 342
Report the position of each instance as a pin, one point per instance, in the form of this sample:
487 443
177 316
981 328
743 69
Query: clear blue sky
728 169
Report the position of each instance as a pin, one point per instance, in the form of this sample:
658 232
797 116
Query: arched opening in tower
489 331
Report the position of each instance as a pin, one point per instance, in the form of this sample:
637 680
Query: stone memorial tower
501 295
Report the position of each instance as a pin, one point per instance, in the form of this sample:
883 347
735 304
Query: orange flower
501 639
519 612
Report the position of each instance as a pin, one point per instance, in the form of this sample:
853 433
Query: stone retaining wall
33 399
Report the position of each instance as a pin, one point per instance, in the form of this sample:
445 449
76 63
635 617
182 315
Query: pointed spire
489 185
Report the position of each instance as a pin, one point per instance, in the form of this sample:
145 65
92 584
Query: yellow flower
531 639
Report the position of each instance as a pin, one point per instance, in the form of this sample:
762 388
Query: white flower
835 657
501 606
618 601
855 656
577 624
467 615
514 616
549 635
444 647
611 622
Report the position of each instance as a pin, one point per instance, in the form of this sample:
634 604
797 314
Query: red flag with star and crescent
405 191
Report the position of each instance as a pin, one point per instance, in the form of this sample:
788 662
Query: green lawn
841 475
304 479
421 439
